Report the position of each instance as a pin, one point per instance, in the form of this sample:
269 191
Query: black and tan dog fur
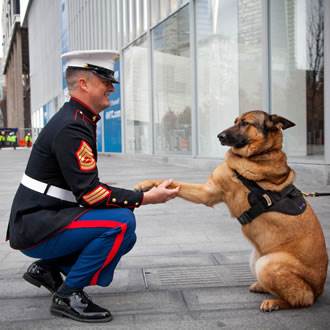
290 258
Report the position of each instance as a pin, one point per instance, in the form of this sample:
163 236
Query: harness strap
265 200
257 209
251 185
247 216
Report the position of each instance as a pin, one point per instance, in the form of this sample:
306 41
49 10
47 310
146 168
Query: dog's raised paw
143 186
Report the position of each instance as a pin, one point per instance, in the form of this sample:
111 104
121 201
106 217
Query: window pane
229 71
160 9
297 44
250 54
172 84
136 94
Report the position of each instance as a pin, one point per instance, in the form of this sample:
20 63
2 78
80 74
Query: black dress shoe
79 307
41 275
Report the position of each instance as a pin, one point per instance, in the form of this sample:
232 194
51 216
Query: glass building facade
196 65
188 68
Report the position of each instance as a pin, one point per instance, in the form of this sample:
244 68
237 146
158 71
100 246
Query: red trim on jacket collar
83 104
93 117
84 117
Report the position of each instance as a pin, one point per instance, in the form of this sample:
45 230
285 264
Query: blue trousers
89 248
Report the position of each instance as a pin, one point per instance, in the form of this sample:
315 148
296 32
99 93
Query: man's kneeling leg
101 237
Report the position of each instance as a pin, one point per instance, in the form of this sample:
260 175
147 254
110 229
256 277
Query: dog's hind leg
256 286
281 275
254 256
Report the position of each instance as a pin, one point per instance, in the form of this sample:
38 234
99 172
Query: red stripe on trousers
116 245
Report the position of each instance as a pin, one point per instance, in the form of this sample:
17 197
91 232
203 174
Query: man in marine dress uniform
62 213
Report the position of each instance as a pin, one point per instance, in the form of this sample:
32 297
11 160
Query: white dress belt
46 189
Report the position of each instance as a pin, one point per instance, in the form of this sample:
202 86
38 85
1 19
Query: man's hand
160 194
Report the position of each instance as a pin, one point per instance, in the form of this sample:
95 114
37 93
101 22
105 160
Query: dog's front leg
205 193
201 193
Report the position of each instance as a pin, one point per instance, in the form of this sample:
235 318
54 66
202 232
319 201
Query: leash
315 194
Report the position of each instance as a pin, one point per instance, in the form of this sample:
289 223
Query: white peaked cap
100 62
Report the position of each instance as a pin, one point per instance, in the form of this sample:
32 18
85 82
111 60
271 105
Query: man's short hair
72 76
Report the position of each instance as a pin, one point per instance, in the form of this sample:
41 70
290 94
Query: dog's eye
243 123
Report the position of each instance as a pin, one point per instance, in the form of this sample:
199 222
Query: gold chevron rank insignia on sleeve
96 195
85 157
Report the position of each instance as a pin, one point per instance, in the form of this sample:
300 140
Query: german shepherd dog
290 258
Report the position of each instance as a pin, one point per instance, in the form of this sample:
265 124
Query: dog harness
288 201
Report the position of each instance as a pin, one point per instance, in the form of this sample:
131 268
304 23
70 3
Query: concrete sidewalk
188 270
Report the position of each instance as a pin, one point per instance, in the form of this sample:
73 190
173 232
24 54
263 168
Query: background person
28 140
12 139
62 213
2 139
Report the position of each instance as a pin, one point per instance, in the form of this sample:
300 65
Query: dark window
16 8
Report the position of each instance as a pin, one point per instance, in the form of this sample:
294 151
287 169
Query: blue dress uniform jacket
65 156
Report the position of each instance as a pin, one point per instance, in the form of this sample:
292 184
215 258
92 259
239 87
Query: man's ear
275 121
82 82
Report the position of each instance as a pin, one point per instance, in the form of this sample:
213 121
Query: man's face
99 90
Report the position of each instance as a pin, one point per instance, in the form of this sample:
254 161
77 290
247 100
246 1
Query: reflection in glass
250 54
229 70
136 99
160 9
172 84
315 76
297 61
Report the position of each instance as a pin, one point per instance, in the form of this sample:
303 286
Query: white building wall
44 23
93 24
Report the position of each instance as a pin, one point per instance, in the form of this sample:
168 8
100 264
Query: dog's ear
275 121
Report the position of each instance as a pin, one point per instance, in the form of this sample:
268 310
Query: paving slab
12 284
230 257
167 261
188 270
194 277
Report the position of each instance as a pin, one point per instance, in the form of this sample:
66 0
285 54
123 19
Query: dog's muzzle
227 139
223 138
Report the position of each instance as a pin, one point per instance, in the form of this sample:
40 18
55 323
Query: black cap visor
107 77
103 73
